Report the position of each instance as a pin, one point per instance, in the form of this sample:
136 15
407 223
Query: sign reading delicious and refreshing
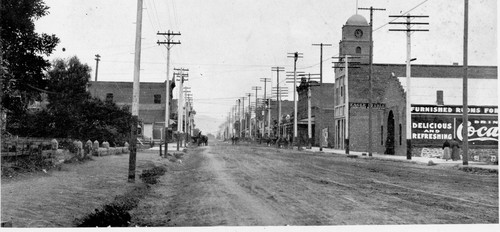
445 122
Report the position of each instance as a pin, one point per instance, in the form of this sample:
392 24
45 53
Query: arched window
358 50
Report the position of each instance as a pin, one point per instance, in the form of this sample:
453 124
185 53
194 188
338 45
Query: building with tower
436 102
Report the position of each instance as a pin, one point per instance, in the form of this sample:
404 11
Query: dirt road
241 185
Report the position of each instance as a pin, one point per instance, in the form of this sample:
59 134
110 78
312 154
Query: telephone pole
256 88
239 118
180 103
278 70
370 129
243 122
409 24
187 92
465 116
168 44
249 121
135 94
266 102
346 63
295 57
321 60
309 106
97 59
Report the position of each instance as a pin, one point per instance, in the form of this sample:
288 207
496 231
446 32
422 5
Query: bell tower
355 39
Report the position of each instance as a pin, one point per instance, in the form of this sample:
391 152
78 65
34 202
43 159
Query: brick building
151 104
436 101
322 111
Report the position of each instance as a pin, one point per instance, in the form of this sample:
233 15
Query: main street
235 185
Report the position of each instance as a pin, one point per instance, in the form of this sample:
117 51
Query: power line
402 14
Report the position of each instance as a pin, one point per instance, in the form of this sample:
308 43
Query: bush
151 176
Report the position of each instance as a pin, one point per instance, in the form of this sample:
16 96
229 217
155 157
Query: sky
229 45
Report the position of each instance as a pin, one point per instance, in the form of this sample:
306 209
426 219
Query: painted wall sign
365 105
432 123
432 109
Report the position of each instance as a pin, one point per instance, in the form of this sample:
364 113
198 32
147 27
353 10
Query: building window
157 98
109 97
358 50
439 97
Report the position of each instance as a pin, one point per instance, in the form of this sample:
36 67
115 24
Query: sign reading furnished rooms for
431 123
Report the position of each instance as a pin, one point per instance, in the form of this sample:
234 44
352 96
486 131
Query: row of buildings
340 110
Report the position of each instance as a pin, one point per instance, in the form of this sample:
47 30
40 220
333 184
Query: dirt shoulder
57 198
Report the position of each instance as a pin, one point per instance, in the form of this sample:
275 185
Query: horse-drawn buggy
200 139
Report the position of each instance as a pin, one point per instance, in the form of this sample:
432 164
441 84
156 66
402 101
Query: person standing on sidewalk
455 149
446 150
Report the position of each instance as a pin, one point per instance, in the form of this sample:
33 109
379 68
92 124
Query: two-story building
151 104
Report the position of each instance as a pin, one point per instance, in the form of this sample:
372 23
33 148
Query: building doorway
389 142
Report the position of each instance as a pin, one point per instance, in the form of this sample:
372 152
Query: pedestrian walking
446 150
455 149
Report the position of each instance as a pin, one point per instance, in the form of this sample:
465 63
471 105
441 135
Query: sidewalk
171 147
422 160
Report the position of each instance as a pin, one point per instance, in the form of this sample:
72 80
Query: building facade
436 101
322 111
151 104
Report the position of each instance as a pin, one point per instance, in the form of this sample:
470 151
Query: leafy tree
23 52
66 83
72 112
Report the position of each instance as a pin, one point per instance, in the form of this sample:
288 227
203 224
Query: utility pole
229 130
265 80
135 94
256 88
465 116
187 91
180 103
409 24
278 70
321 60
346 63
295 57
168 44
243 123
370 129
1 81
249 121
239 118
309 113
97 59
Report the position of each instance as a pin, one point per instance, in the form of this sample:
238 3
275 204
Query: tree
23 51
71 111
66 84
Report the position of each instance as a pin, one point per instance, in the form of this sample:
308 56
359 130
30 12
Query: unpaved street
231 185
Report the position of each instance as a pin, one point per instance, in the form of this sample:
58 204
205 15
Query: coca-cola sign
479 130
